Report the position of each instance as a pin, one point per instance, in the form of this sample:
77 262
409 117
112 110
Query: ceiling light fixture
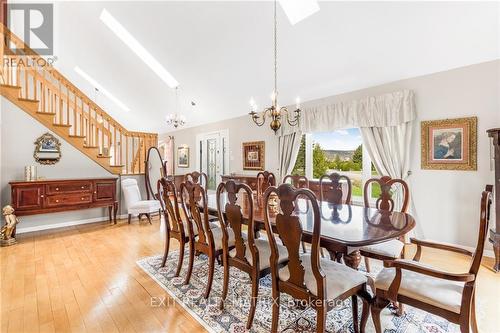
175 119
275 112
298 10
138 49
101 88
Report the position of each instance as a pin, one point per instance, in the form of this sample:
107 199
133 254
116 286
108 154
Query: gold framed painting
254 155
449 144
183 157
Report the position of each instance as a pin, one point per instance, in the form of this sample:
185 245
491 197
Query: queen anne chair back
330 189
264 180
194 206
387 189
297 181
167 191
288 226
233 217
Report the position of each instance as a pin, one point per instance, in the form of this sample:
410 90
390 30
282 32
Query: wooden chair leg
129 218
167 246
321 318
364 315
190 263
473 314
181 257
376 308
253 301
303 247
355 325
148 215
211 268
225 283
276 312
367 264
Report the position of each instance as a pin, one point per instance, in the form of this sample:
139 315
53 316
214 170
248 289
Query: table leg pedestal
353 259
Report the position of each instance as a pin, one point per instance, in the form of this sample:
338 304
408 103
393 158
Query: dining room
250 166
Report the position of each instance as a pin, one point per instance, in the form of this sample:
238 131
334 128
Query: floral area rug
293 318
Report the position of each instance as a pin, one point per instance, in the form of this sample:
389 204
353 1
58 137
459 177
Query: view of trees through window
339 151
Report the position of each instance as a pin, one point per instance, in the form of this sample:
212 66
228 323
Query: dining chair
134 203
320 282
297 181
174 226
197 178
392 249
264 180
249 254
448 295
209 238
331 191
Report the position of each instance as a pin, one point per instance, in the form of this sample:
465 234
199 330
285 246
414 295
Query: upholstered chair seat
264 250
444 294
389 249
217 233
144 206
339 277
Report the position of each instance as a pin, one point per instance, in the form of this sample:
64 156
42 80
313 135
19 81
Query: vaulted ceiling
221 52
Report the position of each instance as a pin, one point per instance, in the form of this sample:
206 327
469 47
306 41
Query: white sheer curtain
288 149
389 149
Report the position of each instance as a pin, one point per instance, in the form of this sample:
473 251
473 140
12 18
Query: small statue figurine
8 233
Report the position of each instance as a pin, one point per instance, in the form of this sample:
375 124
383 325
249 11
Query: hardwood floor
85 278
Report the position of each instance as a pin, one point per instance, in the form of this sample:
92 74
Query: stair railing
40 81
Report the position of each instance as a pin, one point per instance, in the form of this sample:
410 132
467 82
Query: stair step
62 125
46 113
29 100
93 147
77 136
8 86
117 166
103 156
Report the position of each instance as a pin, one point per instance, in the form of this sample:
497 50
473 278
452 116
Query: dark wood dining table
344 228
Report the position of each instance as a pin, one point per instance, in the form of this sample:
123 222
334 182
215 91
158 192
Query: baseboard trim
65 224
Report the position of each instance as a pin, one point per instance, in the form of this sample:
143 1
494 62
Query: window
338 151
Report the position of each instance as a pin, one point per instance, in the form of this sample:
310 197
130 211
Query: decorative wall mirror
155 170
47 149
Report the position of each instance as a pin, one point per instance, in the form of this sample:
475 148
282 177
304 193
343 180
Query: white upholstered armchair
134 203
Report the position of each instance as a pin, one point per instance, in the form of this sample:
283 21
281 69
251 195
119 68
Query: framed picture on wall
254 155
449 144
183 157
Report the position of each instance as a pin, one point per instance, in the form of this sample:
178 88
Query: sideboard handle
41 195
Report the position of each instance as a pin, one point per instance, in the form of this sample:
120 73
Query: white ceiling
221 52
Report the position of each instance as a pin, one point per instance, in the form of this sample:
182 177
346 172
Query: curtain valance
391 109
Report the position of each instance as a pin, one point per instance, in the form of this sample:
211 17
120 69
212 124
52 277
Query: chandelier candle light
275 112
175 119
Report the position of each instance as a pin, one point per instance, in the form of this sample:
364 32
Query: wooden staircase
28 81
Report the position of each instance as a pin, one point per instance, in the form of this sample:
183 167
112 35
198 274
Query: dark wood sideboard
494 133
58 195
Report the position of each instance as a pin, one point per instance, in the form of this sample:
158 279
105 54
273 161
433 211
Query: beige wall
18 132
240 130
447 202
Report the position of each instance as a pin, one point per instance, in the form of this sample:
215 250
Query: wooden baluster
67 105
26 81
127 170
115 145
75 115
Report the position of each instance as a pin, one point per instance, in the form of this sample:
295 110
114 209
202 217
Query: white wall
18 132
447 202
240 130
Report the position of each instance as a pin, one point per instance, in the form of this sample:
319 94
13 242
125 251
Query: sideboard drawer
70 187
68 199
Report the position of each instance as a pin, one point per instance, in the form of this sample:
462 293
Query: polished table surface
342 226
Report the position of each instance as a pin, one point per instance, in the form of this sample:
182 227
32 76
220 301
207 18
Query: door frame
223 157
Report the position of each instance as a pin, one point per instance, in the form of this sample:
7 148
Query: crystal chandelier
175 119
275 112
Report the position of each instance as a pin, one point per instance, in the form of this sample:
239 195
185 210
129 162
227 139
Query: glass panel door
212 165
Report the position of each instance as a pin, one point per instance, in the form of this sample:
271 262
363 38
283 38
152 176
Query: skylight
138 49
298 10
101 88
